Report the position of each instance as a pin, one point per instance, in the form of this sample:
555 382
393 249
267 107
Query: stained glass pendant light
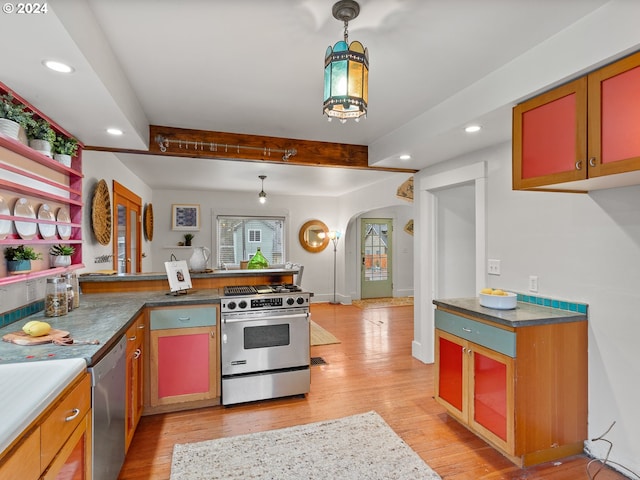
346 71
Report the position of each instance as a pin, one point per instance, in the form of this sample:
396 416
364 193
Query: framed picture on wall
185 217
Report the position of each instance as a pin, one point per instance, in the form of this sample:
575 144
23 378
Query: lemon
487 291
38 329
28 325
497 291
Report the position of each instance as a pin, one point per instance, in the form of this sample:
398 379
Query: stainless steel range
265 342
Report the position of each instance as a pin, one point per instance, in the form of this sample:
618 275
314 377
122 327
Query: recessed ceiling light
58 66
114 131
405 157
472 128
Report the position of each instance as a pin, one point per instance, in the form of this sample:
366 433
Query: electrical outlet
533 283
493 267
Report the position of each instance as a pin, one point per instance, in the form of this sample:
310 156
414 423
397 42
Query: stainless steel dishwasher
108 403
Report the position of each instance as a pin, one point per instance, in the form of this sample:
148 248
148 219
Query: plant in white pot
41 136
60 255
19 258
14 118
64 148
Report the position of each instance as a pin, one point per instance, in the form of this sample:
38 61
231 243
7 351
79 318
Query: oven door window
266 336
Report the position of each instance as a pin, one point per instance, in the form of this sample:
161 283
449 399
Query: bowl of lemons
498 299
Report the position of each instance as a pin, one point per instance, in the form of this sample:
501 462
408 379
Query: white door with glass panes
375 256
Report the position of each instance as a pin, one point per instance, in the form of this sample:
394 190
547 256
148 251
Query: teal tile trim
553 303
7 318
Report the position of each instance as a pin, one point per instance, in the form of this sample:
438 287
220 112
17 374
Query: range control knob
242 304
290 301
300 300
231 305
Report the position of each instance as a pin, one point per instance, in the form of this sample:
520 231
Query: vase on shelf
59 260
199 259
15 267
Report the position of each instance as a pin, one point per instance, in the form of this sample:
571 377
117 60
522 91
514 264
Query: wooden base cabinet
184 365
58 445
523 390
134 388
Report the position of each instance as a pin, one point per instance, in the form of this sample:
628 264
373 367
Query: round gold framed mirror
310 237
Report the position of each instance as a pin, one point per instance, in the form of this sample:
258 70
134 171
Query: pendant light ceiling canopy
346 71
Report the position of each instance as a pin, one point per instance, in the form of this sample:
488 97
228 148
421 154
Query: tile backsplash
553 303
19 300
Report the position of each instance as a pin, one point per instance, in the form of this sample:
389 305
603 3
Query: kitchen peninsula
102 283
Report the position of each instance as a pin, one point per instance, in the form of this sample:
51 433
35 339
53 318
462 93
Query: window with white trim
240 236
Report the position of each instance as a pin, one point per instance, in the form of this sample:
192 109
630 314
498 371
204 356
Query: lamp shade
346 81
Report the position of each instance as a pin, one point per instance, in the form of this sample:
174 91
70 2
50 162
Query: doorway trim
425 234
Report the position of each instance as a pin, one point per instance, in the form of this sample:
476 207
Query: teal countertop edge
525 314
104 317
131 277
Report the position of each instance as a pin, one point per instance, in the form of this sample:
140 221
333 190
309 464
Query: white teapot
199 259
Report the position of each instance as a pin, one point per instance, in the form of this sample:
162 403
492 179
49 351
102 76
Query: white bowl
500 302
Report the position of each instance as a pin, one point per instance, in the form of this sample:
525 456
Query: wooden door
377 258
614 118
127 230
550 137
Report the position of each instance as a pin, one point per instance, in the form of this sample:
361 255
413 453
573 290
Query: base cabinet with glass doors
184 365
523 390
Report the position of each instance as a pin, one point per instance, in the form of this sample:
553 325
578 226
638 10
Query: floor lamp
334 237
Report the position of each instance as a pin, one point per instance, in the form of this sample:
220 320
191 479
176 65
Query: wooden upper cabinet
565 138
550 137
614 118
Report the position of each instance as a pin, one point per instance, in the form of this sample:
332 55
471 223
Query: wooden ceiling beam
233 146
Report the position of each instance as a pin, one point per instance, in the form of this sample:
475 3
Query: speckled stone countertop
134 277
101 316
524 315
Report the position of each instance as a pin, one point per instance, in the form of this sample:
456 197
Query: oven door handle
247 318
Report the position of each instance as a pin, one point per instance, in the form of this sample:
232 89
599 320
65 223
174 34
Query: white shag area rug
356 447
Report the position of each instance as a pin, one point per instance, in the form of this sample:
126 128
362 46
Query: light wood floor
372 369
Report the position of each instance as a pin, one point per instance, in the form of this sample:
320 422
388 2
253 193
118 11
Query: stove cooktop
237 290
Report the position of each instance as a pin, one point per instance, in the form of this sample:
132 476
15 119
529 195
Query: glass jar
72 279
55 297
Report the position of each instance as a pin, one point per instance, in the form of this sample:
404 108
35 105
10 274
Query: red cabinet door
492 404
614 118
550 137
451 381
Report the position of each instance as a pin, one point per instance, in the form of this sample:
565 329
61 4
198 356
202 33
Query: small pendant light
262 197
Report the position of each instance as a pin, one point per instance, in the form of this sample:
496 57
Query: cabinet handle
141 326
468 330
131 339
579 165
184 319
213 334
469 351
74 413
137 354
592 162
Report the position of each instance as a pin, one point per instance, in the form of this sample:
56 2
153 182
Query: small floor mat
318 361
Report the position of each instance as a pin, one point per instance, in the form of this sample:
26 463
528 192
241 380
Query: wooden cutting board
21 338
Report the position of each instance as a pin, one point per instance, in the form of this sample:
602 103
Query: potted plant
64 148
60 255
19 258
187 239
41 136
14 118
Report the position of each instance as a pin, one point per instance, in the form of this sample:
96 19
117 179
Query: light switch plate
533 283
493 267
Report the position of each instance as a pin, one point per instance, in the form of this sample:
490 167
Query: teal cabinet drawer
480 333
183 318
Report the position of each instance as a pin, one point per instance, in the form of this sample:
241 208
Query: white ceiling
256 67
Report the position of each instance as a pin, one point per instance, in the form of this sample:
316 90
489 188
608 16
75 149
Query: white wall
105 166
584 248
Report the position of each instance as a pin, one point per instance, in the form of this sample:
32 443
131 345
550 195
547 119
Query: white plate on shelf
64 230
5 225
47 230
24 208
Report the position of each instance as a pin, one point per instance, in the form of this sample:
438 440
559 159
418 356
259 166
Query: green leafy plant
21 252
41 130
65 145
15 111
188 237
60 250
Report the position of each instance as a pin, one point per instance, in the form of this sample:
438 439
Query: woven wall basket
101 213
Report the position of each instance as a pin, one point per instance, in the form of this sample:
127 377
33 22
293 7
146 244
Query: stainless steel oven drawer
167 318
262 386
